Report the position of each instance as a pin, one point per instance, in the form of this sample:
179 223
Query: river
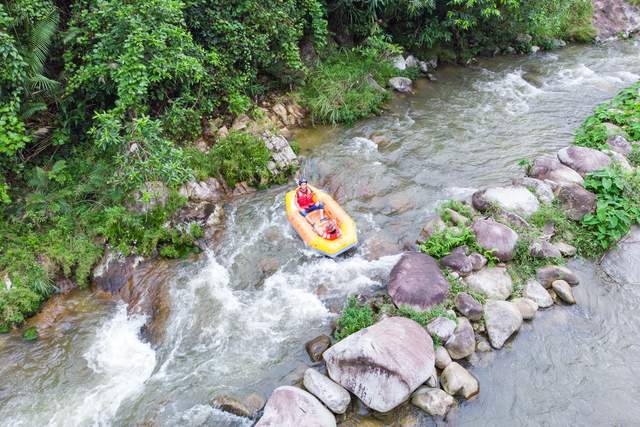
240 315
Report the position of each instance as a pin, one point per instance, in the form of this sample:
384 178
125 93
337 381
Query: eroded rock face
549 168
582 159
494 282
511 198
613 18
416 280
400 84
576 201
457 381
502 319
293 407
331 394
462 343
495 237
384 363
622 263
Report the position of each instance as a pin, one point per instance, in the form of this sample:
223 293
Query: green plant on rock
453 205
424 317
442 242
30 334
354 318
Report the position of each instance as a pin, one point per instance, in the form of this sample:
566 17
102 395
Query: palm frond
40 84
40 38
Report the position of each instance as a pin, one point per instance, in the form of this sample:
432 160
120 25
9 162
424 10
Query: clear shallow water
241 315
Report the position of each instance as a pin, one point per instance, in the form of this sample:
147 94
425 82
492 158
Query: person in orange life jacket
307 201
328 229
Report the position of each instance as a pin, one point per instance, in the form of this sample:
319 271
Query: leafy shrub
30 334
441 243
353 318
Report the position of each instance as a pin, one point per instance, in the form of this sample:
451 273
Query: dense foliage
100 97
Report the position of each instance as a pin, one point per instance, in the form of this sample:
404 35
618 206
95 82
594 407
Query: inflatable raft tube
330 248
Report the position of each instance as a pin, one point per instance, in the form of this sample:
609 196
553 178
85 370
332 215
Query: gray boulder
384 363
433 401
494 282
441 327
544 249
457 381
399 62
542 189
622 263
502 319
442 357
576 201
582 159
495 237
549 168
294 407
478 261
620 144
619 159
331 394
400 84
511 198
549 274
411 61
563 290
416 280
462 343
468 306
534 291
527 307
566 249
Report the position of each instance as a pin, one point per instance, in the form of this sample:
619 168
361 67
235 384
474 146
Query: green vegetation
30 334
353 318
441 243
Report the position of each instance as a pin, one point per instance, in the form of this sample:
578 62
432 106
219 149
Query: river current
240 315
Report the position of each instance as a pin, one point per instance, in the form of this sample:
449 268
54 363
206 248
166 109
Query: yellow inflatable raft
332 209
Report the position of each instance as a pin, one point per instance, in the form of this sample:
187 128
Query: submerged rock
331 394
317 346
563 290
416 280
583 160
232 405
549 168
494 282
534 291
622 262
457 381
502 319
293 407
495 237
462 343
433 401
468 306
511 198
576 201
400 84
384 363
549 274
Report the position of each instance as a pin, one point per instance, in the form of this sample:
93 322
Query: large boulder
495 237
457 381
613 18
463 342
293 407
576 201
622 263
511 198
582 159
494 282
384 363
534 291
416 280
550 168
502 319
331 394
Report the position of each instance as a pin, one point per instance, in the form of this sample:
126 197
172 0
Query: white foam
512 90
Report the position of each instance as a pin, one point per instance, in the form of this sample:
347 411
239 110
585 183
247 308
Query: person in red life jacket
329 229
307 201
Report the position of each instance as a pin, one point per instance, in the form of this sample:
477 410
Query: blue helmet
302 181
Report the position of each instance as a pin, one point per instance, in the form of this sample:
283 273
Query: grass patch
354 318
30 334
441 243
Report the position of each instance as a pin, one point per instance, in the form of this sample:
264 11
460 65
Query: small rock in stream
457 381
536 292
564 292
441 327
527 307
494 282
331 394
317 346
547 275
462 343
442 357
292 406
433 401
502 319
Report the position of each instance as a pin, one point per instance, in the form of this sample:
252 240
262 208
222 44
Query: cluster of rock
615 18
404 84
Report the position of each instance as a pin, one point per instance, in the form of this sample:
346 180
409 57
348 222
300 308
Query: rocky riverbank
481 268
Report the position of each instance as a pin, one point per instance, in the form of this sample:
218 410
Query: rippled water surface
240 316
